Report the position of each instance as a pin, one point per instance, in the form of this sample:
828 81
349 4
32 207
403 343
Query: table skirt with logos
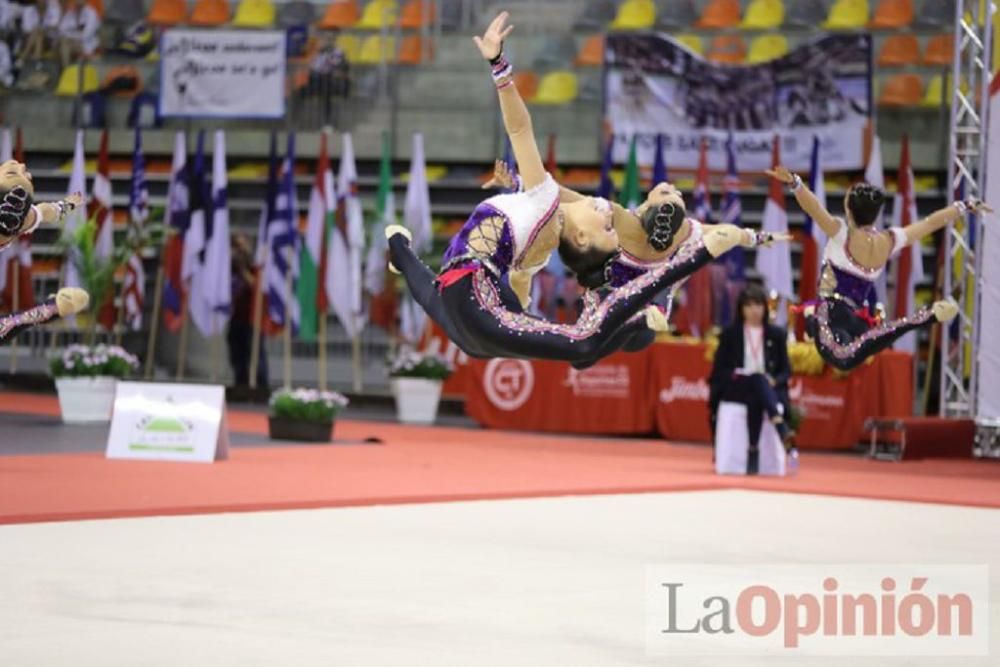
665 389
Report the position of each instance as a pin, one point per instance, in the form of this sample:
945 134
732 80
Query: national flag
311 287
198 211
347 246
550 157
606 188
813 238
384 302
211 290
417 207
702 199
77 217
629 197
176 221
508 159
101 210
134 283
732 211
909 265
282 270
698 294
774 263
659 164
267 210
875 175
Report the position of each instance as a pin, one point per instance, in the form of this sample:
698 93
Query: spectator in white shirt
77 31
40 25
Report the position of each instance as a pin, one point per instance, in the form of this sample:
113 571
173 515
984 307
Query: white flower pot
86 400
416 399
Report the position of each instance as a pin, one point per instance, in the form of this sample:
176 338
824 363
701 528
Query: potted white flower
304 414
416 380
85 380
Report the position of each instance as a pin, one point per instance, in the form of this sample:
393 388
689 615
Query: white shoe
656 320
71 300
945 310
392 230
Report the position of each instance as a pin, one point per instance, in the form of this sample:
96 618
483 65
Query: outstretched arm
807 200
516 118
942 217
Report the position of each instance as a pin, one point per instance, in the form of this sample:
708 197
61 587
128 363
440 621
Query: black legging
845 340
475 306
482 315
15 323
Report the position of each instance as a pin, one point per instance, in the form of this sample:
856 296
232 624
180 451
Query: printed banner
655 85
222 73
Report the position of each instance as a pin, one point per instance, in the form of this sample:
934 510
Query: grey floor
546 582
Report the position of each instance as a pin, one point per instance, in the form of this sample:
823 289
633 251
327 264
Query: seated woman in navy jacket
751 366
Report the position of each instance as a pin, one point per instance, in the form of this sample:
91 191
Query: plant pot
416 399
86 400
283 428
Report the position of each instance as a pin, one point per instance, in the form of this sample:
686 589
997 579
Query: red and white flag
101 209
909 265
775 263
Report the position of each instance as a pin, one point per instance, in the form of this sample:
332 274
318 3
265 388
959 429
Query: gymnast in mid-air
481 294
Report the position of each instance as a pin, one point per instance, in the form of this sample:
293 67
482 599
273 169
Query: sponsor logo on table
604 381
508 382
685 389
817 609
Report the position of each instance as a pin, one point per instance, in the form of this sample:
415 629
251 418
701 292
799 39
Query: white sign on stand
169 422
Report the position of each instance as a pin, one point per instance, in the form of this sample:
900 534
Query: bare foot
71 300
392 230
656 320
945 310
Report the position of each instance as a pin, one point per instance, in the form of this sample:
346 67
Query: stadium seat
296 13
416 14
350 45
340 14
98 6
805 13
693 42
596 15
720 14
847 15
940 50
527 83
935 95
373 51
936 14
69 81
634 15
378 14
167 12
209 13
893 14
728 50
557 88
591 54
898 51
254 14
901 90
676 14
767 47
764 15
411 50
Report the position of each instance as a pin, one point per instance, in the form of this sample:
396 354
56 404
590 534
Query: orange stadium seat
340 14
210 13
167 12
899 50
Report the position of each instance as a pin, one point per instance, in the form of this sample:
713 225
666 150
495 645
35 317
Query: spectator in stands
78 32
40 27
329 76
751 366
240 334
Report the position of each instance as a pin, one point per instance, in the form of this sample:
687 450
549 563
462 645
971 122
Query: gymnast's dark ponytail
661 224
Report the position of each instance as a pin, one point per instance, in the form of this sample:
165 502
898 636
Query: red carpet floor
425 464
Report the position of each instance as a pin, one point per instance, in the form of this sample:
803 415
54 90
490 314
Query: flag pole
322 351
258 305
356 363
15 302
215 356
155 319
182 343
288 332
